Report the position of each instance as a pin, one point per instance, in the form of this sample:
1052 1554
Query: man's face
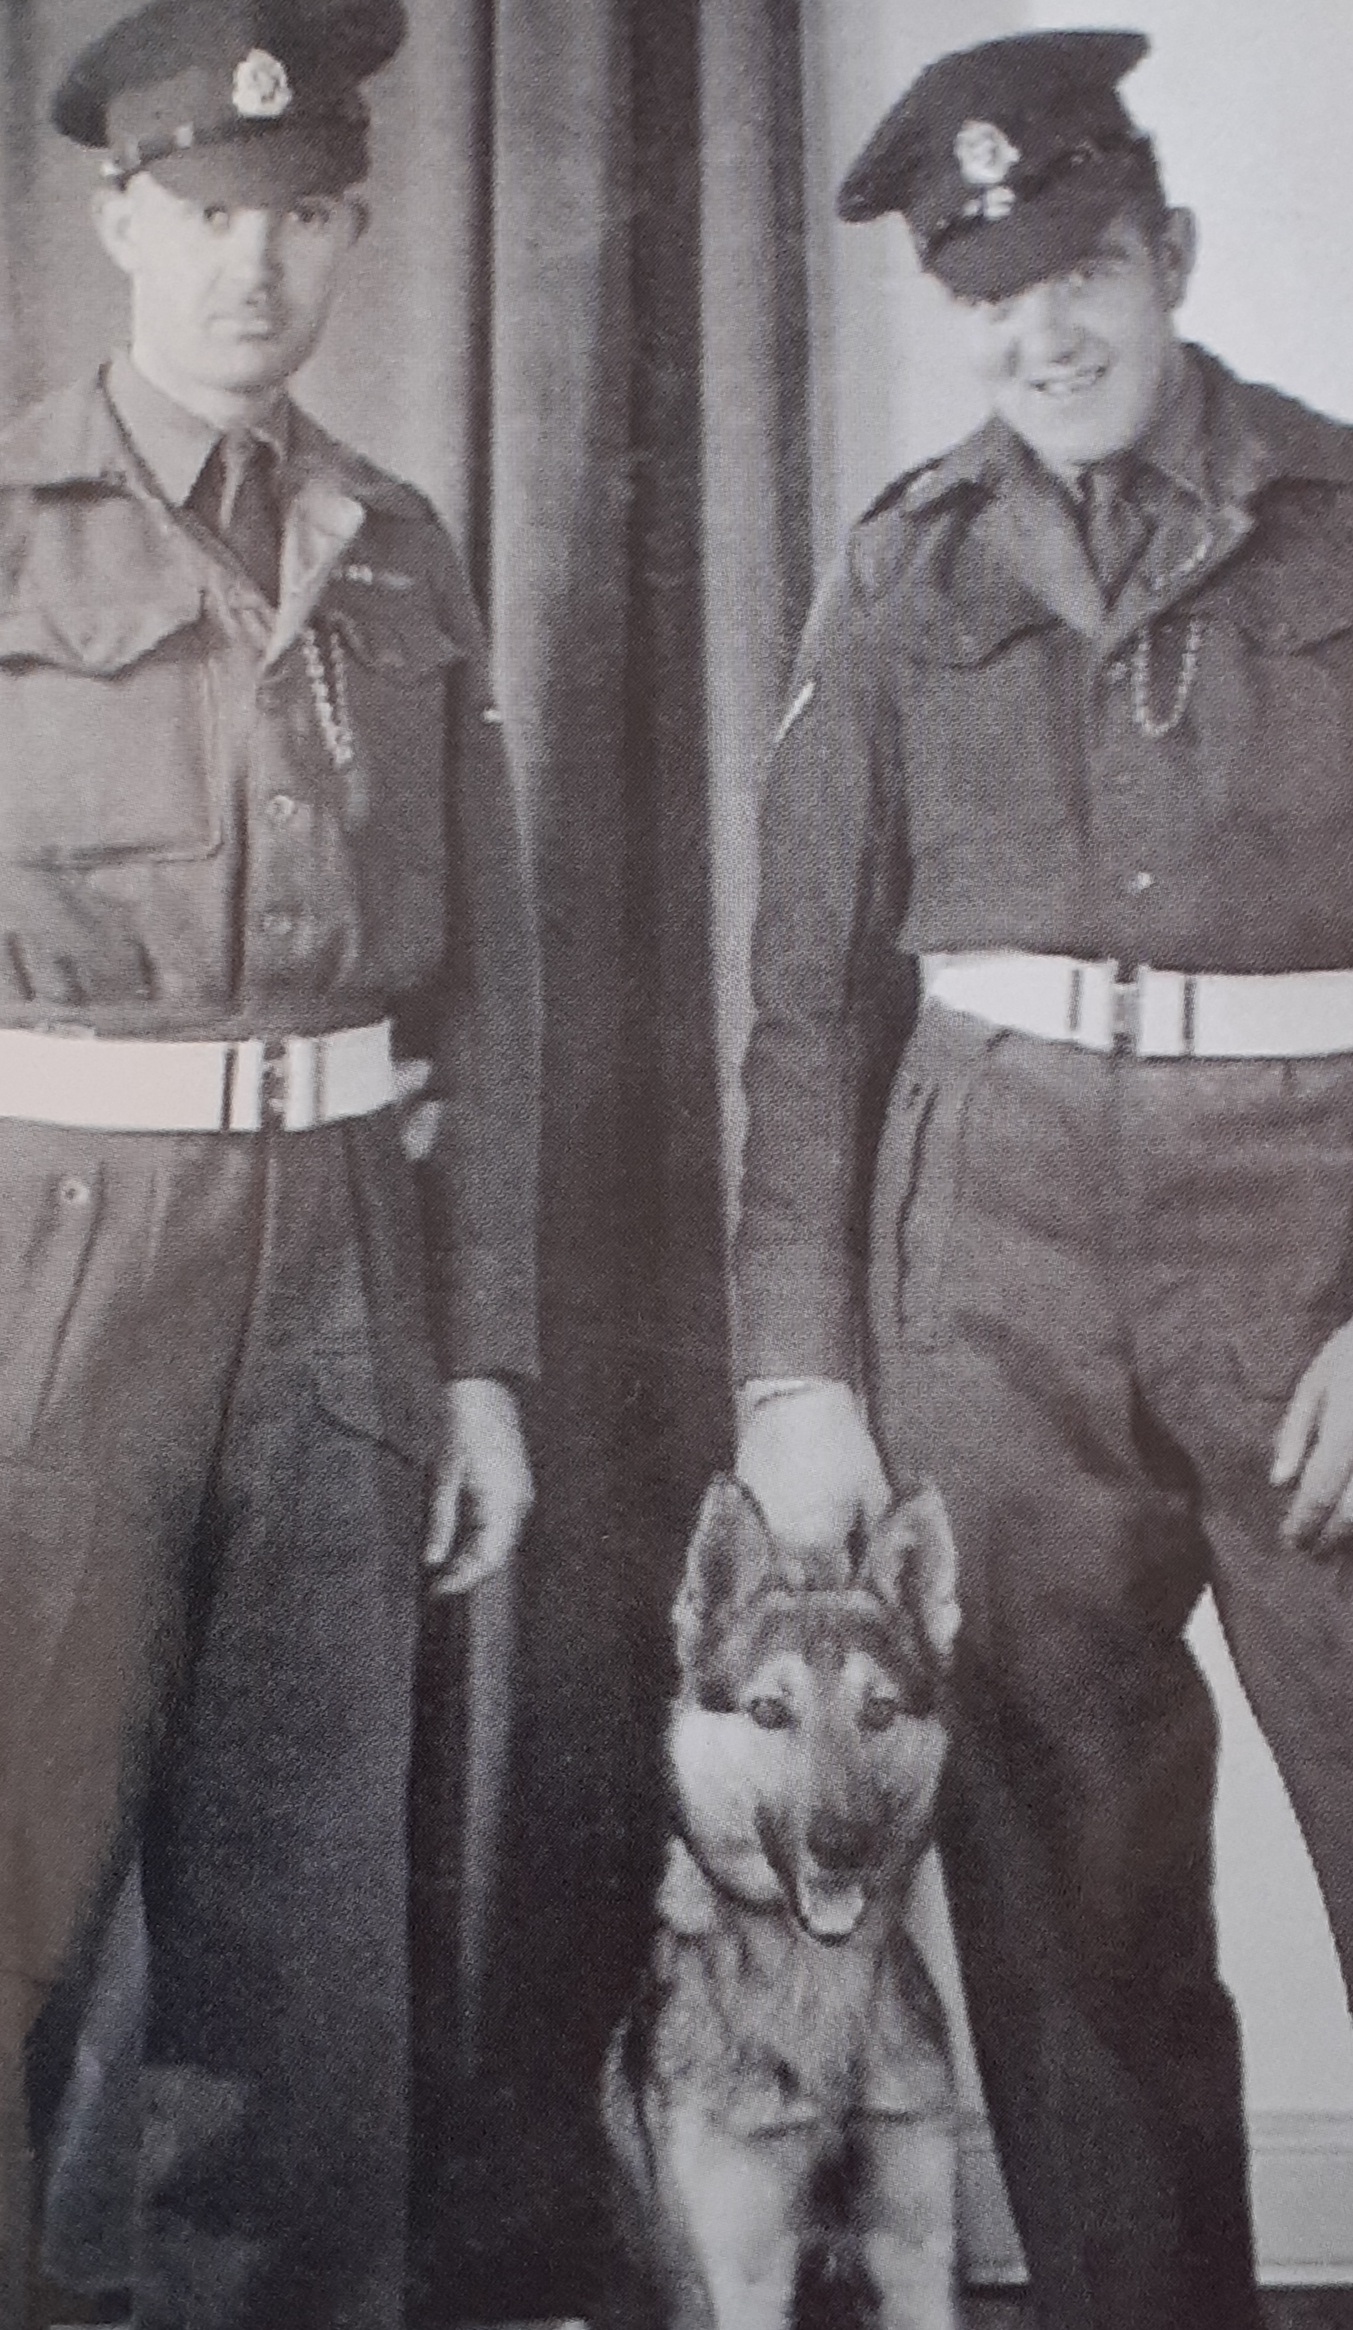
1077 365
225 301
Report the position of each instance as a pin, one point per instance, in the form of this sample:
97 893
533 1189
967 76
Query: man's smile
1061 386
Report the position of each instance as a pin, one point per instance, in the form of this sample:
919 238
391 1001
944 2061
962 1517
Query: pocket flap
1283 610
935 628
94 635
405 643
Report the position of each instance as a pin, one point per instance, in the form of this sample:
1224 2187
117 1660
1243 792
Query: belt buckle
292 1068
274 1081
1125 1012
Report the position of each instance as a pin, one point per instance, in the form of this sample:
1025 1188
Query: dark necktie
246 514
1115 528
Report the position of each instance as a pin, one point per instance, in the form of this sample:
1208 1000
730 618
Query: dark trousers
1095 1282
216 1411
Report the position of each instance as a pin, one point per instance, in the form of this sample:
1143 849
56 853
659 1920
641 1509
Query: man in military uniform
256 837
1070 733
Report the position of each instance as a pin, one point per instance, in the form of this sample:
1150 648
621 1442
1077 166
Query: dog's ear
732 1548
911 1558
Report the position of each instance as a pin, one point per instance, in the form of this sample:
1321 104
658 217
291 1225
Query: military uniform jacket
969 760
221 819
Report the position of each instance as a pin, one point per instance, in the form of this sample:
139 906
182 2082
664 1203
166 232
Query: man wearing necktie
1070 735
257 843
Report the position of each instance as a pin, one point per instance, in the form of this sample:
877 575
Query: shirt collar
174 444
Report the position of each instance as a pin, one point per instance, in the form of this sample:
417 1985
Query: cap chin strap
350 110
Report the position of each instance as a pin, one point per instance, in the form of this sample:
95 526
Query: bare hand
418 1117
483 1492
1314 1448
807 1456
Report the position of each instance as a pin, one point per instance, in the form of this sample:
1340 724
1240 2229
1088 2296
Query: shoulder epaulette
883 538
964 468
904 492
1261 436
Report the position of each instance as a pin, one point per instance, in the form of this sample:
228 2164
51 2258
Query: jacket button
1140 883
75 1190
278 923
281 808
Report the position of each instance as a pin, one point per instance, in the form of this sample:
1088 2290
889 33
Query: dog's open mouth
829 1907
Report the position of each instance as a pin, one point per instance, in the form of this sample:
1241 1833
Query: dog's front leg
741 2199
907 2220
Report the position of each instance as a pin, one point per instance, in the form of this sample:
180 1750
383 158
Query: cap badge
260 90
984 154
986 157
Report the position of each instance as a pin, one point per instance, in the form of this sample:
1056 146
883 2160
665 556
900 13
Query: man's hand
1314 1448
483 1491
806 1455
418 1117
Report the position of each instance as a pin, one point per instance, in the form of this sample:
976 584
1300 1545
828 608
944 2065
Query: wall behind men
1248 105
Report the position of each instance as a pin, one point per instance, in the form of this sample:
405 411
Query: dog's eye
879 1712
770 1714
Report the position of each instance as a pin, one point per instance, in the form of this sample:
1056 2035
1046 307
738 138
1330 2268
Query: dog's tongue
831 1910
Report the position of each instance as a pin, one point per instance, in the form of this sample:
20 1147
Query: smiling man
1070 734
257 842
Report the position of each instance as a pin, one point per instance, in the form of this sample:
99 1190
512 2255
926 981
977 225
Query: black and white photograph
676 1165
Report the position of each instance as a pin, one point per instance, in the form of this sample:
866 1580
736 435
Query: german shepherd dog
779 2101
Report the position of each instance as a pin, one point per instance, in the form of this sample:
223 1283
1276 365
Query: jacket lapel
322 520
1033 535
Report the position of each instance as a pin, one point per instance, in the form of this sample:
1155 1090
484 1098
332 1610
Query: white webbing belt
1156 1015
167 1085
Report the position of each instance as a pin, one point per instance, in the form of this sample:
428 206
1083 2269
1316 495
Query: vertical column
18 106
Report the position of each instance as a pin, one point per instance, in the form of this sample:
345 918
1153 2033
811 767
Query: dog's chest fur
775 2029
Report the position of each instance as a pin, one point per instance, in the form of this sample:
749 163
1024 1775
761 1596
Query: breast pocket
992 744
105 732
397 662
1278 739
399 669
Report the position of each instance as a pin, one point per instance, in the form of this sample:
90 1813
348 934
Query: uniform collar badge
260 90
985 158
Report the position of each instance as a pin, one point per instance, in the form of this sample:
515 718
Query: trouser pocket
917 1181
50 1219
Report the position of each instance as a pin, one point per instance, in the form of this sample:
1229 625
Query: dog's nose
840 1842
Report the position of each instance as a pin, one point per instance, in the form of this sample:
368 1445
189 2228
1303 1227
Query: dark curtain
580 322
617 251
595 523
